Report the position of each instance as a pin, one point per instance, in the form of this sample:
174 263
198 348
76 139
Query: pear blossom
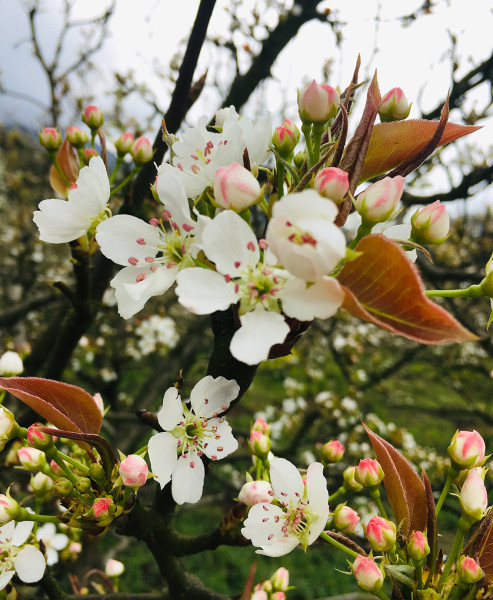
62 221
261 291
53 541
26 561
11 363
298 517
151 254
303 237
190 432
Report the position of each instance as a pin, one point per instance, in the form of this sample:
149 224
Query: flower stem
57 166
55 455
456 548
337 544
375 495
280 178
118 164
474 291
25 515
133 172
75 463
306 129
363 230
340 492
318 129
452 473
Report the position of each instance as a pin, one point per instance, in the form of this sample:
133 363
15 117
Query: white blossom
25 560
53 541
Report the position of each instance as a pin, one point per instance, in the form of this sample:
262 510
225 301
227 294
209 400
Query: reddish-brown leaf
405 490
391 144
69 164
66 406
485 551
382 287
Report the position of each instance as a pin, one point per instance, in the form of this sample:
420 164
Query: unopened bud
124 143
87 154
418 547
299 159
466 450
430 225
369 473
254 492
41 483
261 425
468 570
97 473
93 117
280 579
103 507
11 364
378 203
8 426
133 471
31 459
63 487
114 568
77 137
333 451
9 509
285 138
473 497
350 483
83 485
381 534
394 106
317 103
345 519
332 183
50 138
367 573
37 438
259 444
141 151
235 187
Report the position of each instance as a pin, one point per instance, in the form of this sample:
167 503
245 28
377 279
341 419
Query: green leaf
383 287
67 406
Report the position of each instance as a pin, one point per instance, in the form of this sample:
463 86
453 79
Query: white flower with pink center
151 253
24 560
263 294
200 152
191 431
298 515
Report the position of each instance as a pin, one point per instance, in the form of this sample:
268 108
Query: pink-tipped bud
9 509
254 492
285 138
468 570
332 183
349 482
280 579
50 138
99 401
278 596
133 471
259 595
103 507
11 364
93 117
466 450
367 573
318 103
378 203
473 497
31 459
430 225
381 534
76 136
369 472
124 143
235 187
417 546
114 568
37 438
141 150
261 425
8 426
333 451
345 519
394 106
87 154
41 483
259 444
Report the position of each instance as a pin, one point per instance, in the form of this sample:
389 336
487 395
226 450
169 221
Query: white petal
5 578
46 532
59 541
318 497
172 411
321 300
223 443
51 556
172 194
211 395
230 243
162 450
30 564
203 292
188 479
117 238
7 531
22 532
93 188
132 294
58 223
264 521
280 546
286 481
260 330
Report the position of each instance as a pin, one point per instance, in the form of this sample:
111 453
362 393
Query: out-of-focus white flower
175 454
11 363
53 541
114 568
24 560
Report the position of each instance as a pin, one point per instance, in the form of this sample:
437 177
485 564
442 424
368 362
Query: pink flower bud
254 492
124 143
103 507
261 425
9 509
259 595
417 546
430 225
76 137
285 138
87 154
381 534
468 570
235 187
11 363
394 106
333 451
332 183
466 450
259 444
345 519
280 579
41 483
50 138
473 497
37 438
99 401
75 547
318 103
114 568
369 472
378 203
93 117
278 596
367 573
141 150
31 459
350 482
133 471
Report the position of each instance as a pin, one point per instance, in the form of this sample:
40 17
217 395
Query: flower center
300 237
258 285
195 433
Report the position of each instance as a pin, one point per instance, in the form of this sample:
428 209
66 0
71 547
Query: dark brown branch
9 317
